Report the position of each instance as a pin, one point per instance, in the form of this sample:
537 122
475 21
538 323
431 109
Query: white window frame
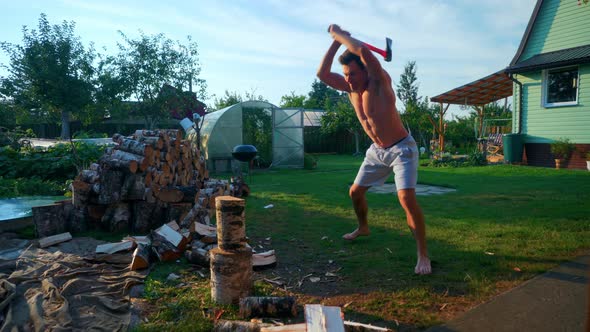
545 94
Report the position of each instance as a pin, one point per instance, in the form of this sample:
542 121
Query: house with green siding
551 75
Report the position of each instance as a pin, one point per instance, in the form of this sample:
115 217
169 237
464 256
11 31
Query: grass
504 225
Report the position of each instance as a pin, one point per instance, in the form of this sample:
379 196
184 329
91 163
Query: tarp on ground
68 288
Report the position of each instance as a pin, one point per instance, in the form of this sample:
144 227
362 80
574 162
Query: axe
386 53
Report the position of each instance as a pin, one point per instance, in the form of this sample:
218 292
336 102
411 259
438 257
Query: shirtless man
370 91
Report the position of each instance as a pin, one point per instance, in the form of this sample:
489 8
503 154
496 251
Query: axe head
387 49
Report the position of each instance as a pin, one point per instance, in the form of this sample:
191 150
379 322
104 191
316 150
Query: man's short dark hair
347 57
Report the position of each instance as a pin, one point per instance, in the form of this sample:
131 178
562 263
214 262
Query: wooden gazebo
477 93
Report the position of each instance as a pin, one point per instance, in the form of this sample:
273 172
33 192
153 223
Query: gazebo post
441 128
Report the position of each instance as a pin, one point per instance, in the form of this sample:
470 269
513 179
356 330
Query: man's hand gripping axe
386 53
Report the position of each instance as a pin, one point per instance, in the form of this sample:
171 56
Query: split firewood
54 239
111 248
302 327
141 257
171 235
236 326
163 249
322 318
139 239
268 306
267 258
174 225
198 256
358 327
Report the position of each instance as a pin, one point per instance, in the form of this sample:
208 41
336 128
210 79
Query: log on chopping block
231 275
268 306
231 228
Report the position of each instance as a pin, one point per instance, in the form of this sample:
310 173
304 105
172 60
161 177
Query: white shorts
401 159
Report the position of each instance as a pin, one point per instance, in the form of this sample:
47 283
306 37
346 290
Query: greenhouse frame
277 133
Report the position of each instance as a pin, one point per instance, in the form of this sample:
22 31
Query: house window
560 87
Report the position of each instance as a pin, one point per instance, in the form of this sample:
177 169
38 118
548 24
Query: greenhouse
276 133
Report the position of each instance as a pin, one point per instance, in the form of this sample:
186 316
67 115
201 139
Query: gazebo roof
481 92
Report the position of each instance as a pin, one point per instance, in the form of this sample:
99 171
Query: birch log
231 229
231 274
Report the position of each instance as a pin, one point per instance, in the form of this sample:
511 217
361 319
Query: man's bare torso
376 111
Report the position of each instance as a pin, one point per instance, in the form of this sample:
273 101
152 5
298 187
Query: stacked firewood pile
146 180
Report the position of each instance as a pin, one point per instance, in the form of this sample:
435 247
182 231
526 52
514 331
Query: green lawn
504 224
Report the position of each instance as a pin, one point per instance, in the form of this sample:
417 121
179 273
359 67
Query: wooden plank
110 248
54 239
321 318
358 327
286 328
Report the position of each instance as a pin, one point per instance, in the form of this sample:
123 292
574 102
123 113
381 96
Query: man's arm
325 73
357 47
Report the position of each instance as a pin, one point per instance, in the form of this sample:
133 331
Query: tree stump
231 229
231 274
49 220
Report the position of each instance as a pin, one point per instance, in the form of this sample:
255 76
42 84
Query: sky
274 47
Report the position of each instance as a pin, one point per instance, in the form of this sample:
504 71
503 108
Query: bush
89 134
562 148
13 138
30 187
57 163
476 158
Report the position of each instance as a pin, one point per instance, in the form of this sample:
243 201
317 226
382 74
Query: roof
560 58
527 32
481 92
312 118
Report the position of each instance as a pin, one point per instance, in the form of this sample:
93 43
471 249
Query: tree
148 63
292 101
320 94
340 115
51 75
232 98
407 89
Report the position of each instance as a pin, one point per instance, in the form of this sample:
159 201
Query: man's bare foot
357 232
423 266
